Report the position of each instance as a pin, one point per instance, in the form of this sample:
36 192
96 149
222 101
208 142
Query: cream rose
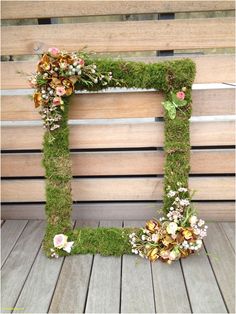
172 228
60 241
193 220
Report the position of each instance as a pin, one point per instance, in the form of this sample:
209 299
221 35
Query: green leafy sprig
172 105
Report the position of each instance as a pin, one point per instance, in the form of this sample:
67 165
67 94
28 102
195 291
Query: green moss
166 77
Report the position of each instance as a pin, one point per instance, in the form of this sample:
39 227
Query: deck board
19 262
204 294
39 287
163 275
229 229
105 277
137 288
71 290
221 255
10 233
31 282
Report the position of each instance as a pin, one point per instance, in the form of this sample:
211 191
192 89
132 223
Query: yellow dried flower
152 225
153 255
187 234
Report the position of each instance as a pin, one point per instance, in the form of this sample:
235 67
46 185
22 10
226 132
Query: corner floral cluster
55 78
60 242
176 235
177 101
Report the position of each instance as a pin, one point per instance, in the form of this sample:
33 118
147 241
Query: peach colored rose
53 51
164 254
180 95
60 90
57 101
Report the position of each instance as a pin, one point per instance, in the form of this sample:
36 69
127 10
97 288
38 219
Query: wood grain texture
19 262
208 188
204 294
210 69
139 36
10 232
104 288
38 289
207 161
136 282
71 290
162 277
210 211
222 258
122 105
91 106
120 135
34 9
229 229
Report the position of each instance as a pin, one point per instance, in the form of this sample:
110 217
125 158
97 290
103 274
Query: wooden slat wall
116 36
117 189
212 158
119 135
208 161
122 105
210 69
33 9
213 211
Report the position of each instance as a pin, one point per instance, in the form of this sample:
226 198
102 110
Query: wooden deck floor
32 283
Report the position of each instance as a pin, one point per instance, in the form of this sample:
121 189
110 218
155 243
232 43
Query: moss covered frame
166 77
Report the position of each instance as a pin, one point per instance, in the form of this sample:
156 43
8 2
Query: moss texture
166 77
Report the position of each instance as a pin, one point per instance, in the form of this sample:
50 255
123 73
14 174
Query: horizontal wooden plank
91 106
213 211
120 36
35 9
210 69
119 135
122 105
119 163
208 188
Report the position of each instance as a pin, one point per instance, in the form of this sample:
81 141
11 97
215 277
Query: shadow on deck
32 283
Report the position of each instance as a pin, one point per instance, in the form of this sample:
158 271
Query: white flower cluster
199 227
179 204
50 117
191 245
134 244
54 254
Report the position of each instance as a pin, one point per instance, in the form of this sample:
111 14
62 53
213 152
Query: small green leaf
168 105
172 113
182 103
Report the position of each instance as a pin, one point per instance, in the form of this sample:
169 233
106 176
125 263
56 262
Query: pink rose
57 101
53 51
81 62
60 241
180 95
60 91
